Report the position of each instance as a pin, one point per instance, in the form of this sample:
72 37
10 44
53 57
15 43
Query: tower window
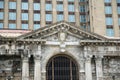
1 4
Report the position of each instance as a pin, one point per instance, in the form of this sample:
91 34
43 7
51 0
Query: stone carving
52 38
62 36
71 38
6 65
114 65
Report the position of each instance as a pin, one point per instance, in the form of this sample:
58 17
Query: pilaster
37 60
25 68
37 69
99 70
88 70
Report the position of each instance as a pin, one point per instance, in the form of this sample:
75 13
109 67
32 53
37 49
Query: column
18 14
25 68
42 13
43 75
88 70
30 14
37 67
6 14
37 70
99 70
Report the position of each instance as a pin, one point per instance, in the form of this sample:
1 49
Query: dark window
62 68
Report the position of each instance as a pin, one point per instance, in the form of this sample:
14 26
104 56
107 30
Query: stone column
99 70
37 69
88 70
25 68
43 75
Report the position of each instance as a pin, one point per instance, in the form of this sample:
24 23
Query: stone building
59 39
60 51
98 16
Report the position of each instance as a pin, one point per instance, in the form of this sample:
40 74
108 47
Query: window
48 7
108 10
71 0
82 18
60 17
24 0
109 21
71 18
119 21
36 26
24 26
1 15
48 17
12 16
64 68
71 8
82 8
36 6
110 32
12 26
59 7
24 16
107 1
12 5
1 25
36 17
118 1
24 6
1 4
119 10
82 0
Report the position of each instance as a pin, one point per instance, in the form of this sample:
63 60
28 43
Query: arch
48 57
62 67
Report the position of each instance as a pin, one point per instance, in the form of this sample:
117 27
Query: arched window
62 68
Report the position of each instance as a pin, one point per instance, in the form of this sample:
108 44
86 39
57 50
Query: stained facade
60 51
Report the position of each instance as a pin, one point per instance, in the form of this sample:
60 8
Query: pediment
53 31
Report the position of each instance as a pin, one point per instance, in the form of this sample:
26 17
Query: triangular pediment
67 28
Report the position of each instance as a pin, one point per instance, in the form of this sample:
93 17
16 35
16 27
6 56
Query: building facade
59 52
59 40
101 17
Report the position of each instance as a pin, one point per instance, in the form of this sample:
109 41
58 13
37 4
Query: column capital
98 58
25 54
88 58
37 57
